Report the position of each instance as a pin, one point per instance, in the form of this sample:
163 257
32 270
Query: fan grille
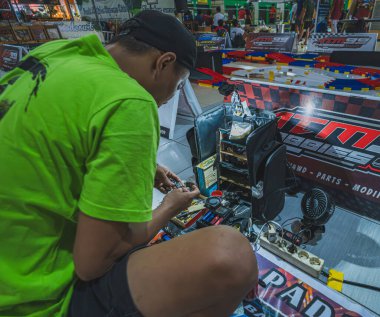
317 206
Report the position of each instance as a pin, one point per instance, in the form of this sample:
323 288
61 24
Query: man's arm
99 243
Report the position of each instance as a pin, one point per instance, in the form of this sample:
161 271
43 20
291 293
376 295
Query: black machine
255 167
317 208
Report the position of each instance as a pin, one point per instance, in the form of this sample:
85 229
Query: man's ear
164 61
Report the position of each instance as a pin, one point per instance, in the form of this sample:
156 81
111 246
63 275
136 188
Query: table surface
372 94
351 244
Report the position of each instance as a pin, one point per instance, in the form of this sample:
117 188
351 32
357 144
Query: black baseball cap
167 34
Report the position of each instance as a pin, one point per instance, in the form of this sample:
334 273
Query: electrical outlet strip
302 259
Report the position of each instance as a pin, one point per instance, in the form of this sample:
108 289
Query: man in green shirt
79 134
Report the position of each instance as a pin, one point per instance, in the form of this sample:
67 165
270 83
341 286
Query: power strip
302 259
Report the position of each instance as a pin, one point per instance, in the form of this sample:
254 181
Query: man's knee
231 255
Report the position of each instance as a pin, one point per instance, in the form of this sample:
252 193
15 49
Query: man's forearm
161 216
141 233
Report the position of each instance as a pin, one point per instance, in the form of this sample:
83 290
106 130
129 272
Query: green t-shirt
76 133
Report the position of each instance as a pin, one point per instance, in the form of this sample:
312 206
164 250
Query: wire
259 234
262 229
283 224
298 234
371 287
295 179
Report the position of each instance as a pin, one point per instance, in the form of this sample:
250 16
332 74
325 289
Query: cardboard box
207 176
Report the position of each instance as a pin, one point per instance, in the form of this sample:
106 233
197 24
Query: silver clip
258 190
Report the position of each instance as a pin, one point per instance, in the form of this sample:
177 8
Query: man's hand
179 199
162 179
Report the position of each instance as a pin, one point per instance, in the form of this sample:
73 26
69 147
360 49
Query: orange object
217 193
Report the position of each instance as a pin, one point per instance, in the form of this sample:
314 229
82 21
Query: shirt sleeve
120 168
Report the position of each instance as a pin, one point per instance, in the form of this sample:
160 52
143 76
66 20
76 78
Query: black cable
283 224
295 179
371 287
298 234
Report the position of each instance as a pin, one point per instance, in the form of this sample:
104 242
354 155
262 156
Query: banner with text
77 29
279 42
165 6
122 9
106 9
332 140
209 40
290 292
327 42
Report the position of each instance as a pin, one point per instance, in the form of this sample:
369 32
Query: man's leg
203 273
301 31
307 34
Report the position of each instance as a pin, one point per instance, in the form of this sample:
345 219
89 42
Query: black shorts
107 296
307 24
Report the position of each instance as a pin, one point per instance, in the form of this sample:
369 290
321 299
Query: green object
235 4
77 134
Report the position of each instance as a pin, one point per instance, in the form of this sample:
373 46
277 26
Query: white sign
121 9
185 103
327 43
168 115
77 29
165 6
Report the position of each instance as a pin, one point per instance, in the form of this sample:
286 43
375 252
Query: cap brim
197 75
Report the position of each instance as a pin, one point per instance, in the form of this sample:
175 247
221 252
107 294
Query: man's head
156 50
217 9
220 22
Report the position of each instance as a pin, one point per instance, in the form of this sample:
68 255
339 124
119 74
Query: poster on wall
77 29
290 292
106 9
165 6
332 139
122 9
209 40
52 2
327 42
9 57
279 42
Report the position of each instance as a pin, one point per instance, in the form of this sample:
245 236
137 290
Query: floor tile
175 156
183 141
187 175
163 141
182 126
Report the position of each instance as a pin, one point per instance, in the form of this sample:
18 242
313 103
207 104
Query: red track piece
327 64
280 58
216 77
237 54
365 71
